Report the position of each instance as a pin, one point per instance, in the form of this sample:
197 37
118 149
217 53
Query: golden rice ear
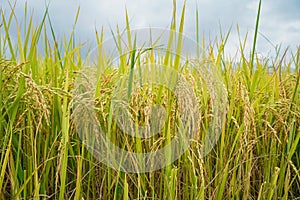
32 96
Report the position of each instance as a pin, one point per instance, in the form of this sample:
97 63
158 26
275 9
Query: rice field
49 100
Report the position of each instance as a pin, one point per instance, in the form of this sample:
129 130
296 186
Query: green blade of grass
180 37
255 37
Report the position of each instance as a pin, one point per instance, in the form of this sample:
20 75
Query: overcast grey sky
280 19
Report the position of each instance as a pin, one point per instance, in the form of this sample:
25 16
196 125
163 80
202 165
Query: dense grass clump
42 156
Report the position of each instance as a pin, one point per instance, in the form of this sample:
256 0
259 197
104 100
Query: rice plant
43 156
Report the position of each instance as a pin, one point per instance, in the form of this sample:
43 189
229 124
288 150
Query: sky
279 20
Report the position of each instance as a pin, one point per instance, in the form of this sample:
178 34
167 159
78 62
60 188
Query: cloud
280 19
